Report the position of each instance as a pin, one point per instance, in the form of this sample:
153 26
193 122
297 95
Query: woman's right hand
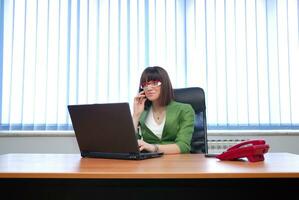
139 101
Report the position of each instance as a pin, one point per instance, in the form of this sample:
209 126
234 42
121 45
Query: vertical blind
243 53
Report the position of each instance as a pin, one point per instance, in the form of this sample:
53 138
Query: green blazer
178 128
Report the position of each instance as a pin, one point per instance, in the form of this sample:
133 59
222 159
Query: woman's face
152 90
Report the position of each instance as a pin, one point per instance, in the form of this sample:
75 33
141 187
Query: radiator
219 146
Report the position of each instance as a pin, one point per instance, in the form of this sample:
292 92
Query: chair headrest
192 95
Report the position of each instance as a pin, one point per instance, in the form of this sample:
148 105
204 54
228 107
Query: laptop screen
106 128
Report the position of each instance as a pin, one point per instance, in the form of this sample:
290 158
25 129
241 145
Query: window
244 54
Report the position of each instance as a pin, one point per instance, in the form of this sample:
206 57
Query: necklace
159 115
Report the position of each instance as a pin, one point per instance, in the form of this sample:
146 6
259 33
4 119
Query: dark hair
158 73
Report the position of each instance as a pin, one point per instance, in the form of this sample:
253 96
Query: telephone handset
147 101
253 150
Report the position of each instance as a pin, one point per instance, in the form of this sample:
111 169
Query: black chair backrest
195 96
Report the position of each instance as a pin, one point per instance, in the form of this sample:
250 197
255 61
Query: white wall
38 143
66 142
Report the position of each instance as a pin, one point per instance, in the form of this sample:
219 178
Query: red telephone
253 150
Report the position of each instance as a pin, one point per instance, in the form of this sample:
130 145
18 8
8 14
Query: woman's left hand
146 146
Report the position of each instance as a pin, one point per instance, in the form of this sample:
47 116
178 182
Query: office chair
195 96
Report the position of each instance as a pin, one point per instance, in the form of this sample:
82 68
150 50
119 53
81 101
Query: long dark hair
158 73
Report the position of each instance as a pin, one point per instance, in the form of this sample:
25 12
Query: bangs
150 75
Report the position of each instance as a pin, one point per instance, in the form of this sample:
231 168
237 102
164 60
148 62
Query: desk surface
183 166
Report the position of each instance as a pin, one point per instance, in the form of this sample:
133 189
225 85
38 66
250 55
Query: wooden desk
70 176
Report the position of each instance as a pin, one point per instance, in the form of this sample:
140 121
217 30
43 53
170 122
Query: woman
162 124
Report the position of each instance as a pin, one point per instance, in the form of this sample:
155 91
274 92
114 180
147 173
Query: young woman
162 124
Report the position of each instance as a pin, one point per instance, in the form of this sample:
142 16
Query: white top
150 122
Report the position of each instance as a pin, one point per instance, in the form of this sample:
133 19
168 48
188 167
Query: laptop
106 131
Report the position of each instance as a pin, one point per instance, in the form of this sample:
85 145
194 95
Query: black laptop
106 131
